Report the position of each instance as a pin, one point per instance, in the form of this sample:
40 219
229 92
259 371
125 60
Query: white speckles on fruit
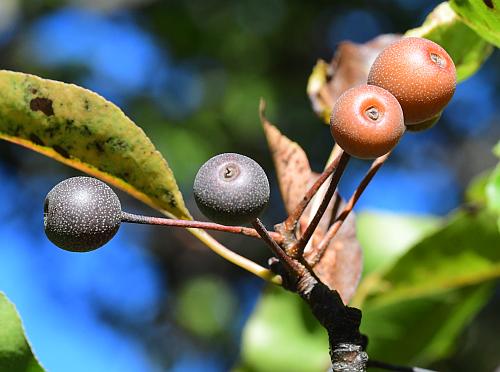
81 214
419 73
231 189
367 121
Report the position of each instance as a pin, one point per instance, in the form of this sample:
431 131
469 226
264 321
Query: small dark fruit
81 214
367 121
419 73
231 189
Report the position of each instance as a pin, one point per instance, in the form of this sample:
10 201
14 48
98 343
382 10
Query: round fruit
419 127
367 121
81 214
419 73
231 189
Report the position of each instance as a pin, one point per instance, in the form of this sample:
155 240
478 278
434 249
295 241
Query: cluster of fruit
409 85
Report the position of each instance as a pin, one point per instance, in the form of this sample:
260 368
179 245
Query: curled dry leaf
290 161
349 67
341 265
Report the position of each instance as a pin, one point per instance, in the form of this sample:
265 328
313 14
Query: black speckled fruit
231 189
81 214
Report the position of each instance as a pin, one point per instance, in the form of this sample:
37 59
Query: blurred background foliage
191 73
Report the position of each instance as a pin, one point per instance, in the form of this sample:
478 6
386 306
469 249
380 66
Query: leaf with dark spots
81 129
61 151
349 67
36 140
290 161
42 104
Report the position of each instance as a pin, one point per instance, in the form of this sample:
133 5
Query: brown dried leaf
349 67
342 263
291 163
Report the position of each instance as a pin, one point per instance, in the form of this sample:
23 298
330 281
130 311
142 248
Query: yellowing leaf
81 129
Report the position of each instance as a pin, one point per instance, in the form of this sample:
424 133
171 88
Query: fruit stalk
291 222
298 248
148 220
337 224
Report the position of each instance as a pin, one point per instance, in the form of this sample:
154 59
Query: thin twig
335 227
298 248
291 222
392 367
147 220
290 265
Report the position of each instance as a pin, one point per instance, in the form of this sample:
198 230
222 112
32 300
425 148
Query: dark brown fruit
81 214
231 189
419 73
367 121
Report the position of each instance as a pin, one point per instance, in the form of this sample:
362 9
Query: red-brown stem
298 248
288 263
147 220
334 228
291 222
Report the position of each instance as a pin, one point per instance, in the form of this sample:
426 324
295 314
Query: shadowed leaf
15 351
348 68
81 129
422 330
417 303
464 252
467 49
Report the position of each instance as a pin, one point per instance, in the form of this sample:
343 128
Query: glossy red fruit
419 73
367 121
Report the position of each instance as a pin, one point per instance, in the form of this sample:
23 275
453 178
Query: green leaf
15 351
476 191
384 237
493 193
496 149
414 310
206 306
465 252
420 331
467 49
282 335
83 130
481 15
